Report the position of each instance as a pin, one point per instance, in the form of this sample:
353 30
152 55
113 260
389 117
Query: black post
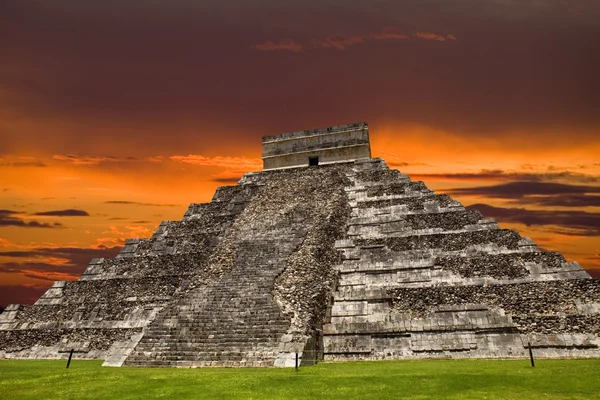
70 356
296 361
531 354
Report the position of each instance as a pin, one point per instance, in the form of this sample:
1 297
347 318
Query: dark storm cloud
517 190
64 213
570 200
499 175
9 218
227 180
6 213
42 277
136 203
77 259
594 273
399 164
568 222
17 267
20 161
91 160
21 294
515 66
540 193
76 255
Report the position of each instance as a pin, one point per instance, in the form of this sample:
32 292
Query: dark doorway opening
313 161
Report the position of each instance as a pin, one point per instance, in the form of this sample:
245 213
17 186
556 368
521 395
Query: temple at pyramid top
342 143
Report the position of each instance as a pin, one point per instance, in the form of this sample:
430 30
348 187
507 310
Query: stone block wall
343 143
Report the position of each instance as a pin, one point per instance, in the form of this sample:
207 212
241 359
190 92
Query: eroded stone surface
422 277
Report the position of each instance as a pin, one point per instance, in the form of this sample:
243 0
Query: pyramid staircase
234 322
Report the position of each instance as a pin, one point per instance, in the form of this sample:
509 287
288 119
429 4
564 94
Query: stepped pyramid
326 253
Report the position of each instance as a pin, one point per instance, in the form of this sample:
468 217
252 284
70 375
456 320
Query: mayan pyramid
326 253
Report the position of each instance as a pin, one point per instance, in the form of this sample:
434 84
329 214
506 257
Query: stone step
445 241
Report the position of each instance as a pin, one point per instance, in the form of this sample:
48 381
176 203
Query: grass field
447 379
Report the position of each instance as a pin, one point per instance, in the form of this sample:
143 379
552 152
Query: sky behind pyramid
115 116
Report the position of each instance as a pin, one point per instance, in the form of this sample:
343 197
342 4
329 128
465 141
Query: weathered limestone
344 261
421 276
335 144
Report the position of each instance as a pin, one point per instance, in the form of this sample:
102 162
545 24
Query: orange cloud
106 242
431 36
138 231
243 163
51 276
285 45
339 42
137 203
390 33
27 265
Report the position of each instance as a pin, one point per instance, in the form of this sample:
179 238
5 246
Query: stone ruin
326 253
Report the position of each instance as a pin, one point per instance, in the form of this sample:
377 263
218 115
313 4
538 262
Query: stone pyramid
326 253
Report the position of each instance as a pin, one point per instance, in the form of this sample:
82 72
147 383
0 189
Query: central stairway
234 322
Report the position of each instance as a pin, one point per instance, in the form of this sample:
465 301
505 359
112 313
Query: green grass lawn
448 379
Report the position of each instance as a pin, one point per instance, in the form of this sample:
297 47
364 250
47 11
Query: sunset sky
116 115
